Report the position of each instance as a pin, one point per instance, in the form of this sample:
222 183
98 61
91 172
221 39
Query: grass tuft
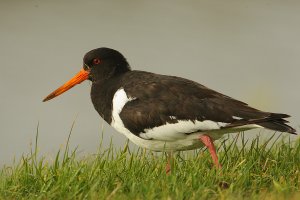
256 169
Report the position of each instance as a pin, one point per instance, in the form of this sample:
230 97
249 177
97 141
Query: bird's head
98 65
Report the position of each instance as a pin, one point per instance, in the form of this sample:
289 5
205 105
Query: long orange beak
78 78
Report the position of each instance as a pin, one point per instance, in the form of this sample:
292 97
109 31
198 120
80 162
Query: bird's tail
277 122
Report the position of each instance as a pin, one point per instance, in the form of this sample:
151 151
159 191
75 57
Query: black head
98 65
103 63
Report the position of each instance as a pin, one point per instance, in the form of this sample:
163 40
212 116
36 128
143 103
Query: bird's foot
169 162
168 169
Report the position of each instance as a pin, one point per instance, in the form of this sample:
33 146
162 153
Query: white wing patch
235 117
169 132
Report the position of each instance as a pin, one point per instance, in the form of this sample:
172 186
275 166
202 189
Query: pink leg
208 142
169 163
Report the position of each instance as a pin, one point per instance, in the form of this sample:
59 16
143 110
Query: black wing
161 99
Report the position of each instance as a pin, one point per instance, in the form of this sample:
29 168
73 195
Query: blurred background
249 50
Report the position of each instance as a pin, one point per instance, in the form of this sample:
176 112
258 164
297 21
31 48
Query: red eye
96 61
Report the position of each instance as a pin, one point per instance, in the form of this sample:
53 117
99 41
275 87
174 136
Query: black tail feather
278 125
273 121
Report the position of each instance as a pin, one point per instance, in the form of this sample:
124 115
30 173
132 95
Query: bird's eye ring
96 61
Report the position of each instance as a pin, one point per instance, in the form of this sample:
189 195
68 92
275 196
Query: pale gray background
249 50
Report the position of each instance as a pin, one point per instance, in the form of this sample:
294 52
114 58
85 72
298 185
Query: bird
165 113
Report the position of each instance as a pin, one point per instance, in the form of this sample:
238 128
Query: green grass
258 169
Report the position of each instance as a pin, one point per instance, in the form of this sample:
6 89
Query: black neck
102 93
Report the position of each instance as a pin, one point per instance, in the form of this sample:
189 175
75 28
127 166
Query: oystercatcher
165 113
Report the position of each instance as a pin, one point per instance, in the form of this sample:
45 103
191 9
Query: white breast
119 100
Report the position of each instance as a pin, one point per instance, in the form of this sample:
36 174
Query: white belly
188 143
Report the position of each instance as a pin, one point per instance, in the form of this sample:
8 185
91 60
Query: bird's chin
90 78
